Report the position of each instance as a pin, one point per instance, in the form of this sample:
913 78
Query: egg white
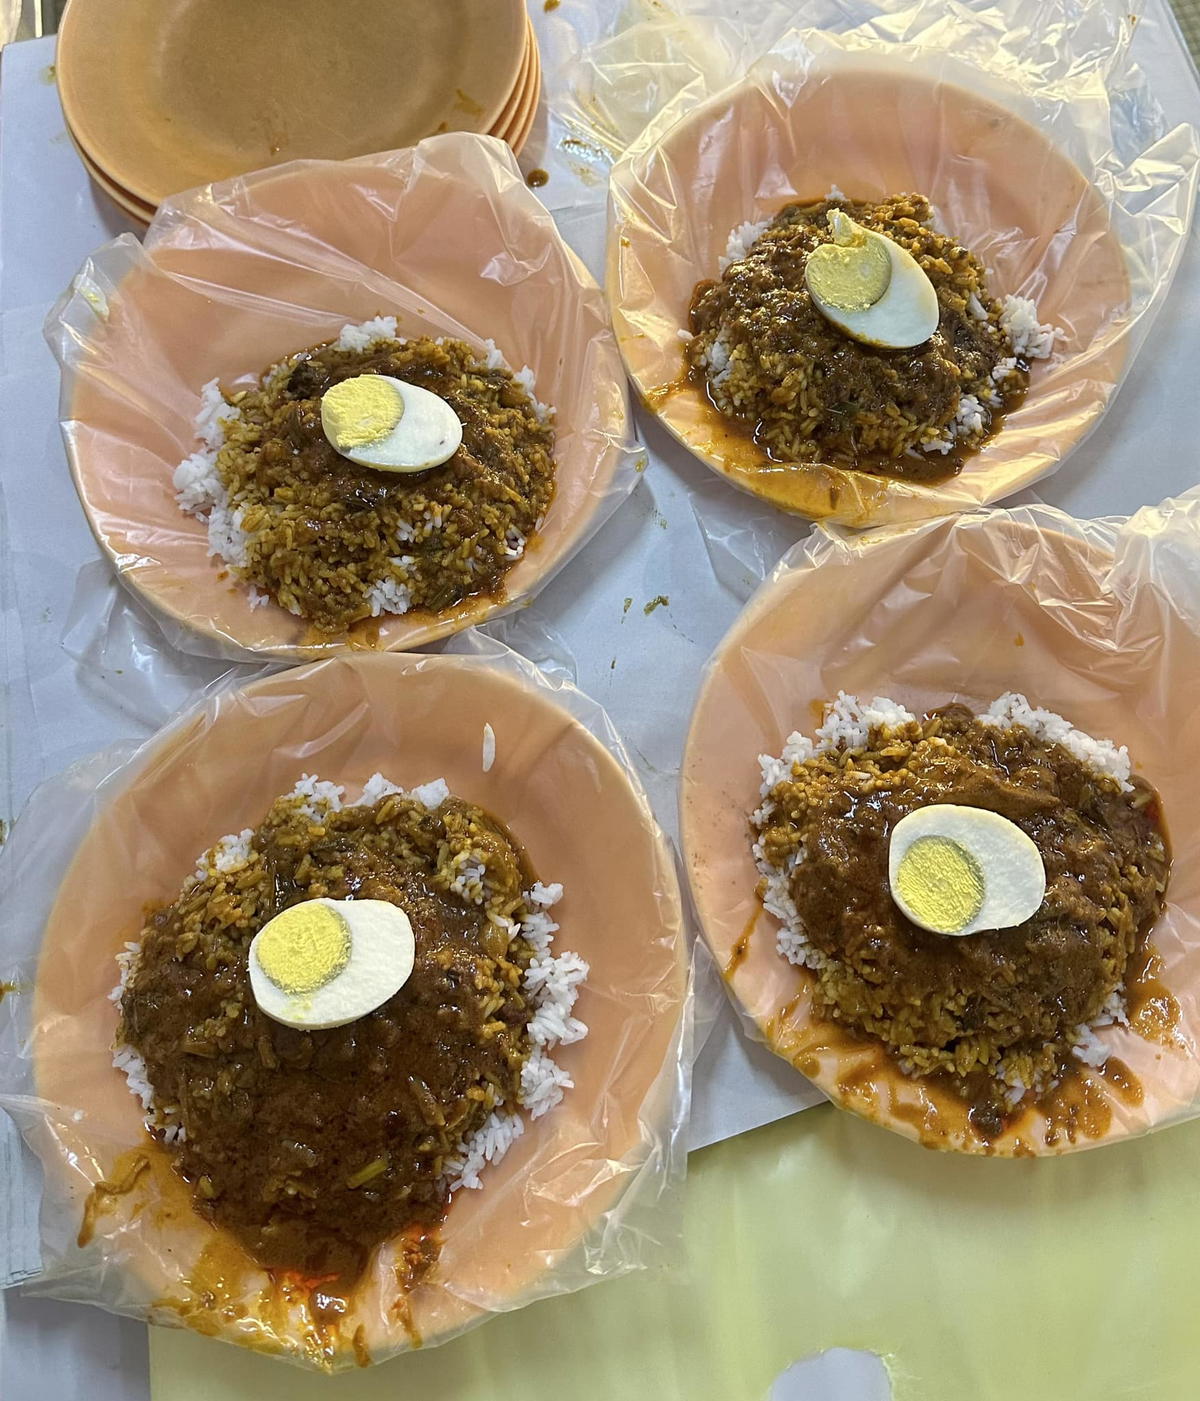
428 434
905 316
1013 874
382 952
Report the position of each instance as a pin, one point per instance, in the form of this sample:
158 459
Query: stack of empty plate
162 97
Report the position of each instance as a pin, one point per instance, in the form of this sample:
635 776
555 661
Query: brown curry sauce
312 1148
771 309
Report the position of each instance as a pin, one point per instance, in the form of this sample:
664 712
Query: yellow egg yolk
304 948
941 883
360 410
854 271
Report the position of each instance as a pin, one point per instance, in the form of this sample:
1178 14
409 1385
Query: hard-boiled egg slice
382 422
324 963
957 870
870 287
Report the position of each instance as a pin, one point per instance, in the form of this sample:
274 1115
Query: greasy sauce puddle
106 1194
225 1291
1080 1107
1153 1011
737 444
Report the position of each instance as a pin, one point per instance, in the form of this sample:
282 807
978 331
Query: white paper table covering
50 217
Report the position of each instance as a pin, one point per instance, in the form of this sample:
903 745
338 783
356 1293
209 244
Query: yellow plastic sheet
977 1280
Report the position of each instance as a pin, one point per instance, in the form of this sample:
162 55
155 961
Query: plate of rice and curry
939 853
918 312
361 403
372 477
364 1044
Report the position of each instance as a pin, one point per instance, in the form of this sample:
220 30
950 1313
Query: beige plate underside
520 135
127 203
345 719
513 125
516 99
964 612
168 97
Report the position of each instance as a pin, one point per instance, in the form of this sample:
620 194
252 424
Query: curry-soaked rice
313 1147
808 392
999 1012
335 542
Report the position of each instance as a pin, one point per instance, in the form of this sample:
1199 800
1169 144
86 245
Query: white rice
431 795
229 854
212 415
164 1118
389 596
1100 755
846 727
321 795
543 1083
195 488
470 880
970 417
200 492
489 748
1088 1048
127 1060
718 362
741 240
377 787
745 236
524 377
551 983
1029 337
366 333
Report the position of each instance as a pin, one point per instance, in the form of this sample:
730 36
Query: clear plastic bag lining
1024 124
234 277
1098 621
588 1191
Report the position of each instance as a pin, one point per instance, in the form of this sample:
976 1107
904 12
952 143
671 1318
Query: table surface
51 217
1187 13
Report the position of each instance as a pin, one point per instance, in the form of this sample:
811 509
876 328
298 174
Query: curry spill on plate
345 1015
857 334
372 475
970 892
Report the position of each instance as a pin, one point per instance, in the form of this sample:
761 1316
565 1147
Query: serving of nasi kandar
971 894
860 334
372 475
345 1015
